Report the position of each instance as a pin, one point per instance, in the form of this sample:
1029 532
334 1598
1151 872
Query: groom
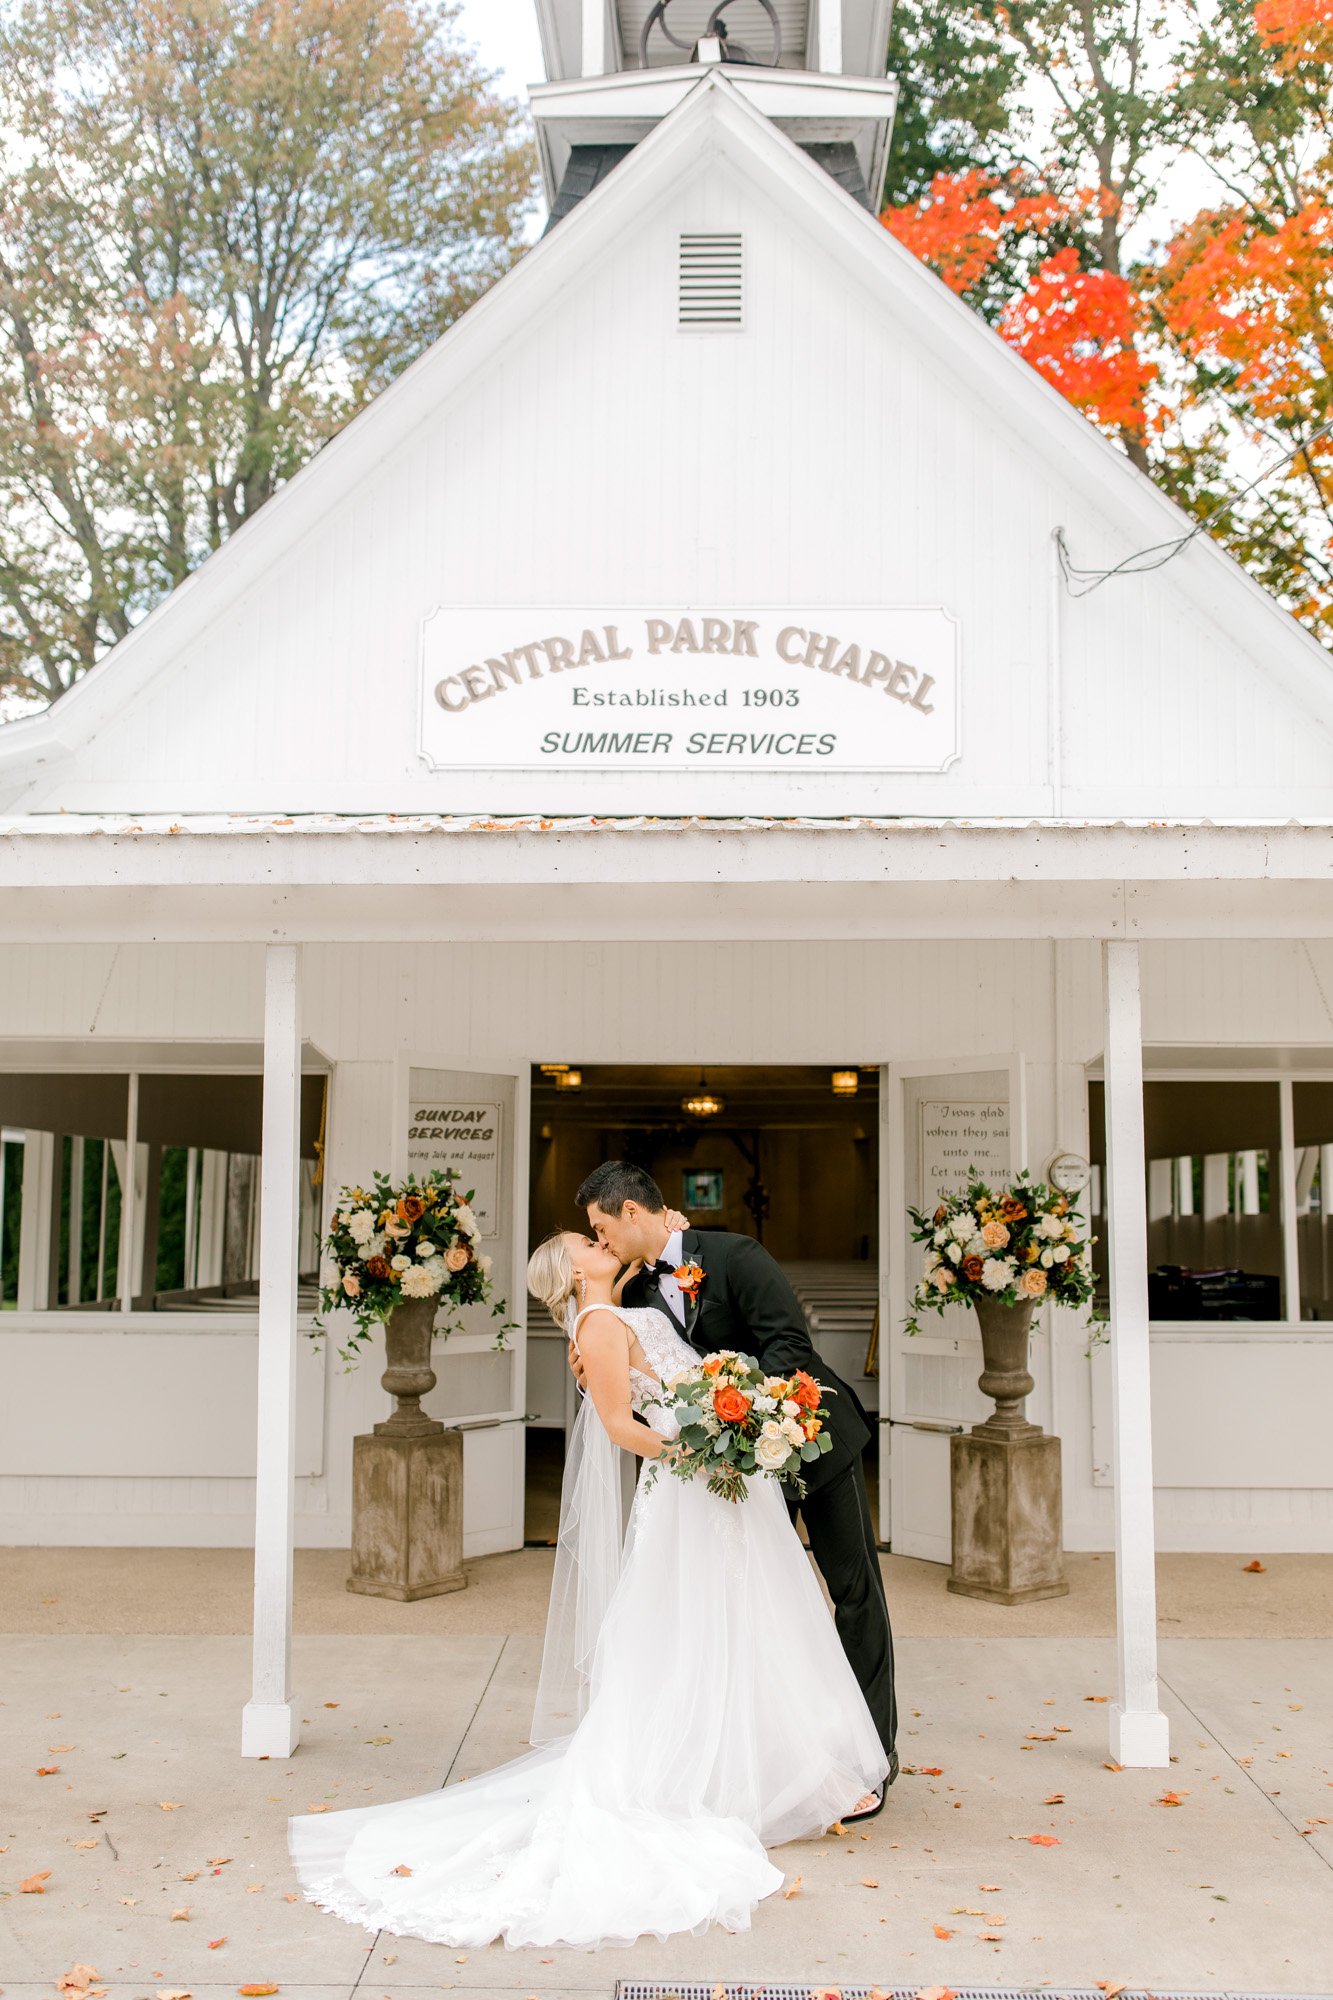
744 1302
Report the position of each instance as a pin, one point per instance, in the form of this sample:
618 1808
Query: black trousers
842 1541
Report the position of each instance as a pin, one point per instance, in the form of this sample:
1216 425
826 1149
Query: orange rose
377 1267
731 1405
411 1208
1011 1209
804 1390
713 1365
940 1214
971 1268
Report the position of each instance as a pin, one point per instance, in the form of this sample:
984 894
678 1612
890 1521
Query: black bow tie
664 1264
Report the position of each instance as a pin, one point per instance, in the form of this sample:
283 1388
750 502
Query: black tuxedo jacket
745 1303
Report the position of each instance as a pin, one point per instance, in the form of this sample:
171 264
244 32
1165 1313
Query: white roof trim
902 284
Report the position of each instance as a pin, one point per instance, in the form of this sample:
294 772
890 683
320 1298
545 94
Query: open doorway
787 1155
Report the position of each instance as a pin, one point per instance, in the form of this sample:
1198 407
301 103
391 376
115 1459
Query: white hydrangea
997 1272
764 1404
418 1282
436 1270
466 1220
1052 1226
361 1225
940 1238
963 1227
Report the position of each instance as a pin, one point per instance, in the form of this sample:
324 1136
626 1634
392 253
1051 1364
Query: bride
695 1705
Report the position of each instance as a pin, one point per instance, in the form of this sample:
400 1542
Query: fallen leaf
58 1750
960 1910
1109 1989
1063 1729
216 1944
310 1809
1042 1840
35 1885
1256 1568
1113 1767
291 1897
193 1876
401 1869
334 1704
1096 1697
218 1860
173 1993
253 1888
129 1901
936 1993
168 1805
48 1770
85 1843
932 1770
379 1739
1055 1799
250 1991
991 1937
793 1888
869 1882
180 1916
989 1888
78 1979
941 1931
1039 1739
1171 1799
390 1957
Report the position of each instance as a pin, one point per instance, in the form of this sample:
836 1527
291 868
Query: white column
74 1274
594 52
828 37
269 1725
1139 1733
36 1222
127 1254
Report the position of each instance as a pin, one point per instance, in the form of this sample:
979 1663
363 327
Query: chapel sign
785 688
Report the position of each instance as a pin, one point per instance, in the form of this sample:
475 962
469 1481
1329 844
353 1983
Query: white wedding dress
699 1708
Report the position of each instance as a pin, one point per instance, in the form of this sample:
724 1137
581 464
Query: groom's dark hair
614 1183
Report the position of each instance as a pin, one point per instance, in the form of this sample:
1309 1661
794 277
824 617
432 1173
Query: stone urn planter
1005 1477
407 1477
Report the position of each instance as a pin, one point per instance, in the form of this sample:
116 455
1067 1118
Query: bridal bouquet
736 1422
392 1242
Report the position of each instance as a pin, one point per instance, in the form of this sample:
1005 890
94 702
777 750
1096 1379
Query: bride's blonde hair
551 1276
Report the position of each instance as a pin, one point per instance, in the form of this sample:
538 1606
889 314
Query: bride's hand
675 1220
576 1367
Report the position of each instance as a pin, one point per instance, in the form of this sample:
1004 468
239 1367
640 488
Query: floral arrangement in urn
393 1243
1013 1247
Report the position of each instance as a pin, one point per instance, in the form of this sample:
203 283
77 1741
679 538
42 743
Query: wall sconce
845 1083
553 1069
568 1079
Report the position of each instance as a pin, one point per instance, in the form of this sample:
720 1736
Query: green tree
224 225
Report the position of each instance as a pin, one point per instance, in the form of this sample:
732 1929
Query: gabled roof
715 120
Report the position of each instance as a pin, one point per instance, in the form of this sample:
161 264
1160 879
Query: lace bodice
666 1351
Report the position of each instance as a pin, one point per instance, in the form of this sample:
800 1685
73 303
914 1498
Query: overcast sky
504 32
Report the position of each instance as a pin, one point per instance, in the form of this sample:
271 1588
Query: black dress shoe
893 1769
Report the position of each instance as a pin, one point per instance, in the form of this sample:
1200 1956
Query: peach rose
351 1285
456 1258
994 1235
731 1405
1032 1283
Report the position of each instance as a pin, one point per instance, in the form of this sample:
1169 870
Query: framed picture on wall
701 1187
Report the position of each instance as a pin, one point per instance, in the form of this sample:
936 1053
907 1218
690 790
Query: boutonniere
690 1278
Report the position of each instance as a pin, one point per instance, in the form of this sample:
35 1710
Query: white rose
361 1225
1047 1259
1052 1226
484 1266
771 1429
791 1409
417 1282
955 1253
996 1273
771 1452
425 1249
963 1227
792 1431
1061 1253
400 1263
940 1238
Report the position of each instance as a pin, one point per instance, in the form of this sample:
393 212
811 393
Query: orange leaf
180 1916
936 1993
869 1882
173 1993
1171 1799
991 1937
932 1770
85 1843
1096 1697
58 1750
793 1888
331 1704
1256 1568
251 1992
1113 1767
168 1805
401 1869
311 1809
941 1931
1039 1739
48 1770
215 1944
35 1885
1109 1988
78 1979
1042 1840
1055 1799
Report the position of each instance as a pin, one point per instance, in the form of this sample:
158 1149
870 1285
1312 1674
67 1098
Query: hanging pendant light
845 1083
702 1102
568 1079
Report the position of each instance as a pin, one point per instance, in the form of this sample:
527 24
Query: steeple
616 68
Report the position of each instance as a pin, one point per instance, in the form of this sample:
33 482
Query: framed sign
701 1187
959 1137
772 688
447 1131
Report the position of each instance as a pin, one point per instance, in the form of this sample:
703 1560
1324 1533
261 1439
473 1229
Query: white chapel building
671 680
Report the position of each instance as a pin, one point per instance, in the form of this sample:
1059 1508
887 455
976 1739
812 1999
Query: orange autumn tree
1246 291
1085 330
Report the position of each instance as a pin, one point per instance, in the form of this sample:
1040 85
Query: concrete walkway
150 1812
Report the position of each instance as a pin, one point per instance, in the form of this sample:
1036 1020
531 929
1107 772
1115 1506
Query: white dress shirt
672 1297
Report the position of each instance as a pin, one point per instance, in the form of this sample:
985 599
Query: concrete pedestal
1007 1543
407 1515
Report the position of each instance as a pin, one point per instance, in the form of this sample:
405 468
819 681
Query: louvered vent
711 288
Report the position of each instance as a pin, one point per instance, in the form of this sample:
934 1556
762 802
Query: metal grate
665 1989
711 280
